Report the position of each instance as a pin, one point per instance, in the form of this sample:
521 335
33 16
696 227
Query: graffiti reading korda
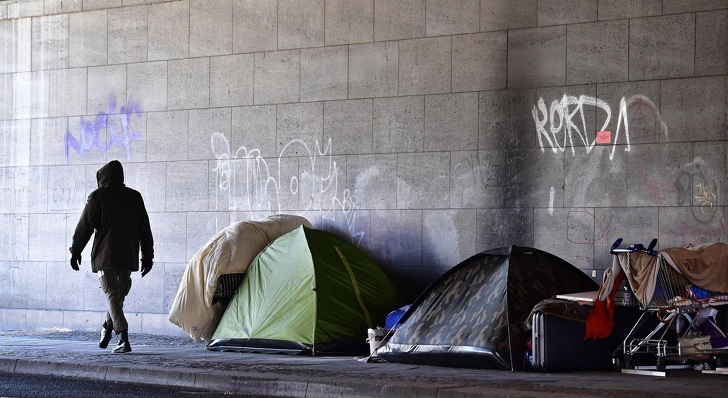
566 119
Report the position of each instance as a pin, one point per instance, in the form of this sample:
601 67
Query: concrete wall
424 130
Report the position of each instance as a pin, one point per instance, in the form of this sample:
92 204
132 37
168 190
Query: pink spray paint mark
604 137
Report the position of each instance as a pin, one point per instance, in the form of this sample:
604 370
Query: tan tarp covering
705 266
229 251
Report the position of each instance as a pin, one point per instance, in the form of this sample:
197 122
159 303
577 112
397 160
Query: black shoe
123 345
105 337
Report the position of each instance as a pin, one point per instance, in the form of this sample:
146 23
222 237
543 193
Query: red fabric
600 322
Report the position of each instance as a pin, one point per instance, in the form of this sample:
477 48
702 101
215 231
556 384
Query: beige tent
229 251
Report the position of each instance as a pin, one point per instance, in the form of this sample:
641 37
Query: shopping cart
673 298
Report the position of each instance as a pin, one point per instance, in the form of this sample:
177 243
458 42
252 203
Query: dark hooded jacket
116 215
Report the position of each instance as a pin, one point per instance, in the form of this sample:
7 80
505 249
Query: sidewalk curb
7 365
231 381
136 374
151 375
50 368
254 384
295 376
258 384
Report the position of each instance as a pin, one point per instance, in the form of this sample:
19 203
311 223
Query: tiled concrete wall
424 130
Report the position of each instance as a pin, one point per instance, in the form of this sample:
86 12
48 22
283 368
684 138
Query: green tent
308 292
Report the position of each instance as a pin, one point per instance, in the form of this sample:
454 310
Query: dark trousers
116 284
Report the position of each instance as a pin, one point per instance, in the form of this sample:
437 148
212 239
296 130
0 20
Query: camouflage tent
473 316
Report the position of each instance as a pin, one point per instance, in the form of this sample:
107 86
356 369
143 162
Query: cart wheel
616 364
627 363
661 364
713 362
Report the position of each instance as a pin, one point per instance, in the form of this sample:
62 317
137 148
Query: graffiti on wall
300 178
479 169
89 134
515 153
564 124
696 185
67 194
23 189
15 189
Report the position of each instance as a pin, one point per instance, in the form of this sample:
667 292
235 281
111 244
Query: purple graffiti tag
89 135
126 113
89 131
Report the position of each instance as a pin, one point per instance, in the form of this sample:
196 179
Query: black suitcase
558 345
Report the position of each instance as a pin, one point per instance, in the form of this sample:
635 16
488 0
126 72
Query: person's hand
75 261
146 266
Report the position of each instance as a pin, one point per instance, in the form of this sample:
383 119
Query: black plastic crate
228 284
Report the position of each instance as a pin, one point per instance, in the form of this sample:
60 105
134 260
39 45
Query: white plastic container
376 338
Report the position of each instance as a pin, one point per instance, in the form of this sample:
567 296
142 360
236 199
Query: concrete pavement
178 361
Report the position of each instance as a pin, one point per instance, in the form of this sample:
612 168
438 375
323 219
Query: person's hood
110 173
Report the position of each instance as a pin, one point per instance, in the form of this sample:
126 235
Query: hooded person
116 216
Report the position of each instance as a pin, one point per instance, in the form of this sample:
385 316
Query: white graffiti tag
566 119
301 180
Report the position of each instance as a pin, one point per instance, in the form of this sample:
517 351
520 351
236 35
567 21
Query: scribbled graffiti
246 181
14 188
23 189
67 195
654 190
705 197
564 125
696 234
479 169
346 207
602 228
579 227
514 171
696 185
89 131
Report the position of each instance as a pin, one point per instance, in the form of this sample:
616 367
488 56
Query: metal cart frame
670 301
